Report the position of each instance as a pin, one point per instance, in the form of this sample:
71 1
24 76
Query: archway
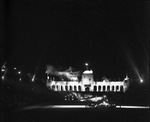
121 88
108 88
53 87
79 88
66 88
112 88
70 88
117 87
61 88
95 88
87 89
75 88
99 88
104 88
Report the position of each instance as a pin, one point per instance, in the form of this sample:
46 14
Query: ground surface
78 115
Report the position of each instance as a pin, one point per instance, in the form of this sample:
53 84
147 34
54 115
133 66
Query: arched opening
70 88
95 88
112 88
99 88
53 87
117 87
87 89
61 88
121 88
104 88
108 88
66 88
79 88
75 88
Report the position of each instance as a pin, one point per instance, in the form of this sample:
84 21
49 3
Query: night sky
110 35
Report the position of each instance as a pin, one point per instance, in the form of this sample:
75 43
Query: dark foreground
16 95
78 115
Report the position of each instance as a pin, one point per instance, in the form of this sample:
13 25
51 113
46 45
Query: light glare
141 80
3 70
86 64
19 72
3 77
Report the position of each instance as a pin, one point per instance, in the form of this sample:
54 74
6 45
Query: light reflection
80 106
139 107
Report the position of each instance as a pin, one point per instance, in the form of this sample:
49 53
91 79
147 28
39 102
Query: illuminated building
87 84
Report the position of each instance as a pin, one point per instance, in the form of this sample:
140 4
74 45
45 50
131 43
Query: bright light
33 78
15 68
19 72
55 106
141 80
3 77
66 106
3 67
86 64
88 72
3 70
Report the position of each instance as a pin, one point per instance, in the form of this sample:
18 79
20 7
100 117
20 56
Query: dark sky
110 35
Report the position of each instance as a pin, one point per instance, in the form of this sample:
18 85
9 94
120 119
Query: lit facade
87 84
